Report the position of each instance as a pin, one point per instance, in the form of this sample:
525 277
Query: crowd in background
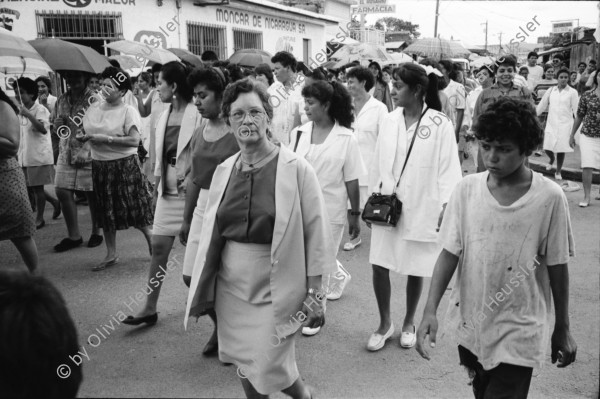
262 172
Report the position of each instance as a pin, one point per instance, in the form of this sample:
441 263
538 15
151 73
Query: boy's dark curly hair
510 119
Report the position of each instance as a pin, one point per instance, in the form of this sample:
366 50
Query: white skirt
168 216
191 249
391 251
590 151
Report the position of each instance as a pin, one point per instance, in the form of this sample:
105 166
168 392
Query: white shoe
377 341
349 246
337 282
548 166
557 176
408 339
309 332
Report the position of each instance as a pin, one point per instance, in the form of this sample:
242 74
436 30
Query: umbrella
399 58
143 51
437 48
250 57
481 61
361 52
126 61
65 56
17 56
187 56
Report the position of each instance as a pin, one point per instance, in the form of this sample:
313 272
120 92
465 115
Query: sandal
349 246
106 264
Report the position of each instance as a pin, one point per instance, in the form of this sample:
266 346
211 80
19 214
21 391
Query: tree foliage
391 24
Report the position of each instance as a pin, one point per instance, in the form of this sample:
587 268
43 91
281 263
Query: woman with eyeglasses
174 132
264 246
212 144
416 158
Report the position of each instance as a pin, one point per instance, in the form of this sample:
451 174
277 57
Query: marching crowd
258 173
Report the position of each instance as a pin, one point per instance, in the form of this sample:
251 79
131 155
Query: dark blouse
206 156
171 138
247 212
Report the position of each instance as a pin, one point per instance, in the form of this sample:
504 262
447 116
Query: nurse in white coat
431 173
561 103
328 144
369 113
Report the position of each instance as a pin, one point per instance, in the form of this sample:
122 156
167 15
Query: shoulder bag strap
298 134
411 145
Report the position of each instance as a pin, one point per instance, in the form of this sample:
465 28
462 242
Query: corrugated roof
293 10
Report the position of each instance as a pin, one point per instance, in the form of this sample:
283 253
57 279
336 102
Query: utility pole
486 33
500 38
437 9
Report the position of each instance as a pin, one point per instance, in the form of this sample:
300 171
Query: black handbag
385 210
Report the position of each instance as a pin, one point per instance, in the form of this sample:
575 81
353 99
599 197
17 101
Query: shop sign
259 21
373 9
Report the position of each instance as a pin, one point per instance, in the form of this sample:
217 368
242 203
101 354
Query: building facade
196 25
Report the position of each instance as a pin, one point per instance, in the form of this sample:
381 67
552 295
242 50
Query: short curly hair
510 119
362 74
246 85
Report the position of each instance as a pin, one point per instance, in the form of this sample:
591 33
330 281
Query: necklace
253 165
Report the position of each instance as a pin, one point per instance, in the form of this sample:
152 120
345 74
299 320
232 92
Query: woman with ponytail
416 158
329 145
174 132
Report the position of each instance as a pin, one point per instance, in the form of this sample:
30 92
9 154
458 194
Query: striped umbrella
18 57
437 48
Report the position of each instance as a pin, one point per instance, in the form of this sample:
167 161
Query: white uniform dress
336 161
562 108
366 129
432 172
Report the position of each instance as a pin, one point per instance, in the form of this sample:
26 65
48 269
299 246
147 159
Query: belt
172 161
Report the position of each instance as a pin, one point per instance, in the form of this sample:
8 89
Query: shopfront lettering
259 21
77 3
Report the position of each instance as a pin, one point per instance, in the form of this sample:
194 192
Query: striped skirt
123 194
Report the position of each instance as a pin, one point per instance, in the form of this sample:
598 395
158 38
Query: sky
465 20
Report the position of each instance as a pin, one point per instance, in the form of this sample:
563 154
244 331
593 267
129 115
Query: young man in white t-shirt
536 72
509 232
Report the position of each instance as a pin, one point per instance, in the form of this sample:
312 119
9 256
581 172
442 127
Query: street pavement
166 361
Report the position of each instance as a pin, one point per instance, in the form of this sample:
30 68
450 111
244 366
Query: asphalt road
166 361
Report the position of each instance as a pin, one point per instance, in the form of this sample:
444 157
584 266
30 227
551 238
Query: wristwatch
110 139
355 213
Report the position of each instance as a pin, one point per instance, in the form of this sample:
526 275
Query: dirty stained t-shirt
500 302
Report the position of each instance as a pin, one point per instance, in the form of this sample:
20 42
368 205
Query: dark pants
505 381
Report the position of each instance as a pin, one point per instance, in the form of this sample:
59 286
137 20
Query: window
202 37
243 39
79 25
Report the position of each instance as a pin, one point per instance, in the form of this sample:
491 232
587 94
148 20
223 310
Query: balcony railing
369 36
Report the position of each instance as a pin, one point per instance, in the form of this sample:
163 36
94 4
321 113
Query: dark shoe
95 240
211 348
136 321
57 211
39 226
67 244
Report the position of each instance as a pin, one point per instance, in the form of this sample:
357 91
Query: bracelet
355 213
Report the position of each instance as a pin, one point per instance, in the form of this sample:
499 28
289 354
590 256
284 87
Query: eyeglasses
256 116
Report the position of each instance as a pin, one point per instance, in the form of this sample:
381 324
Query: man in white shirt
536 72
287 100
